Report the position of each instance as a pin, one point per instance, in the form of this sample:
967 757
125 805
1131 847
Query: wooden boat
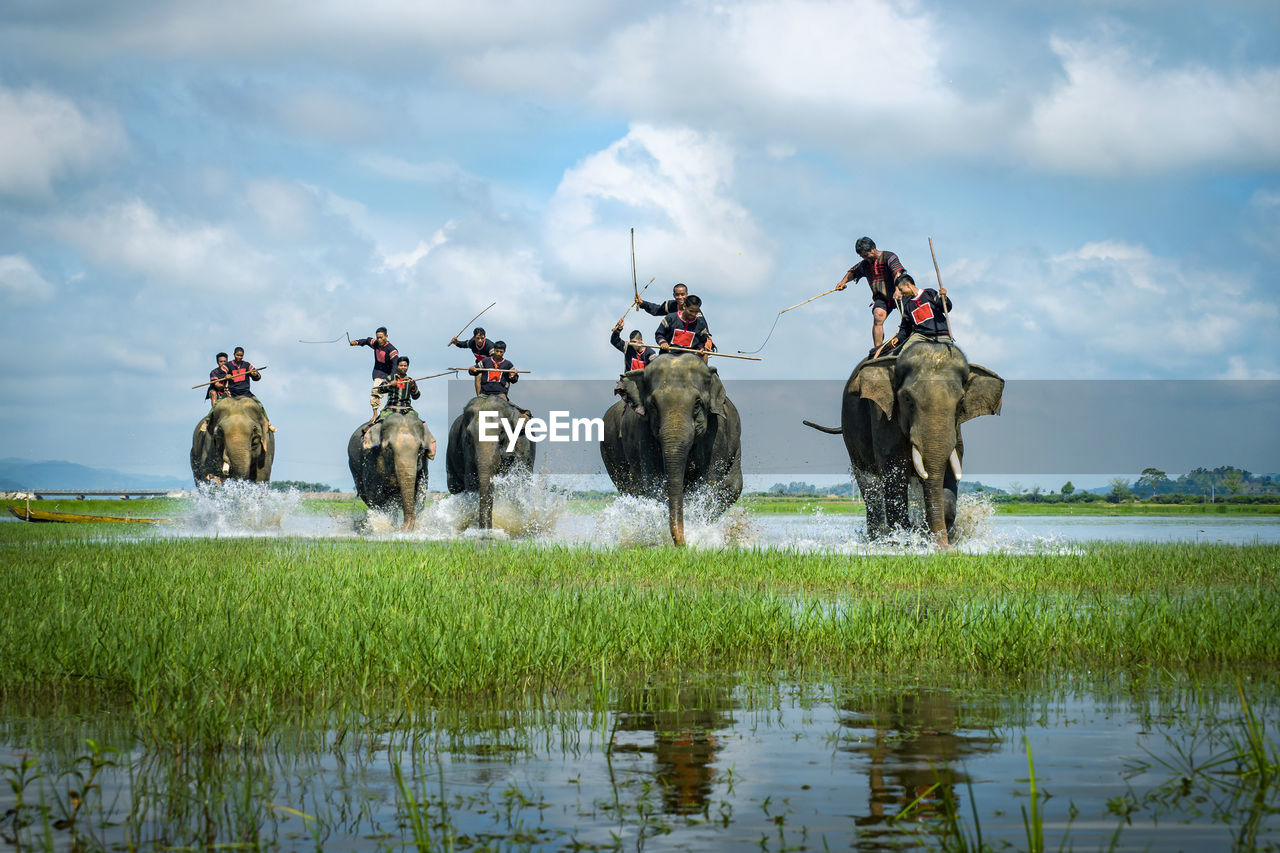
26 513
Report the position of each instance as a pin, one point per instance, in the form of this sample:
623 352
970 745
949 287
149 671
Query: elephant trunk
238 458
676 441
486 469
933 452
407 482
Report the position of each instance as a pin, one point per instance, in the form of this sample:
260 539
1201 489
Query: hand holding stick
224 378
673 348
468 323
942 291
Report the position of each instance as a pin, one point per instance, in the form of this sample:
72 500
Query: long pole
425 378
469 322
810 299
223 379
942 297
491 369
698 351
633 304
635 286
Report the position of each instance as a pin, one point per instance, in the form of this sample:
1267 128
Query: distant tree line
799 489
300 486
1219 485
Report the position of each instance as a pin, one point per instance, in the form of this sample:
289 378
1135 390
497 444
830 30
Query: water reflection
912 747
683 723
682 765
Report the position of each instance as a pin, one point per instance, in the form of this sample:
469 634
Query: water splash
629 521
524 505
240 508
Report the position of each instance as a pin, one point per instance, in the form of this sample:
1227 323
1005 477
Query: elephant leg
872 488
896 507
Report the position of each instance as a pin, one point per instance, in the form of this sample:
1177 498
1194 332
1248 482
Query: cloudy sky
1101 181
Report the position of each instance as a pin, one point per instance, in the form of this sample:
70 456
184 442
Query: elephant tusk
918 461
955 464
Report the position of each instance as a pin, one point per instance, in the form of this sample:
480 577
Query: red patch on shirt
682 338
495 376
924 312
637 364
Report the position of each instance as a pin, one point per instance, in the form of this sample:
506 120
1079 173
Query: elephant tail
832 430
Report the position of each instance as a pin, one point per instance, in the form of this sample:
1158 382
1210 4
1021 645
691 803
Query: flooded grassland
336 689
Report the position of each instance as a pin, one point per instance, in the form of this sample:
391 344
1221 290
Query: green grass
200 628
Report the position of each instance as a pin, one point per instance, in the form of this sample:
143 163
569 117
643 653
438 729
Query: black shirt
478 352
219 373
879 274
632 359
241 372
492 379
401 391
384 357
923 313
676 331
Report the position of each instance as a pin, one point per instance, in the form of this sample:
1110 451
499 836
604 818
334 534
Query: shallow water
527 507
691 765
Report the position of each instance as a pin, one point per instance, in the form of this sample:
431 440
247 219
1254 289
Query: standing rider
480 346
384 355
881 269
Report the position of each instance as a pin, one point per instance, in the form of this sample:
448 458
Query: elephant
392 471
233 442
673 431
900 418
472 464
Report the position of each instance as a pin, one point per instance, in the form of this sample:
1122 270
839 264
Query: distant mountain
18 474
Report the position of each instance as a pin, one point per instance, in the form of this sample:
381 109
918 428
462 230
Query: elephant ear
983 394
629 389
716 403
874 382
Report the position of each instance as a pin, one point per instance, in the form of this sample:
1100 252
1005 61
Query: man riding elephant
673 432
900 418
234 441
390 469
480 448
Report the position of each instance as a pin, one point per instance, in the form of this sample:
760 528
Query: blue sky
1101 180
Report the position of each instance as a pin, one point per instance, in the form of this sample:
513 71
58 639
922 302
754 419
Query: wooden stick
810 299
488 369
633 304
424 378
673 348
334 341
468 323
942 297
223 379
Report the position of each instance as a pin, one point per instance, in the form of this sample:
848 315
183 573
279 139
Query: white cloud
45 137
1108 309
131 237
676 186
1117 114
20 282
